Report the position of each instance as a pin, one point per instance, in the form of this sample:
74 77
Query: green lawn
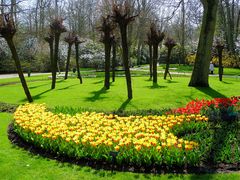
16 163
91 95
188 69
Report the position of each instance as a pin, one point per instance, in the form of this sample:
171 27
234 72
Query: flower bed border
202 169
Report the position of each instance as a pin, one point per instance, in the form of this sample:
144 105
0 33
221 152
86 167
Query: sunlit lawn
16 163
91 95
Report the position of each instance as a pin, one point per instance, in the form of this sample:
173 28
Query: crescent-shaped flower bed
140 140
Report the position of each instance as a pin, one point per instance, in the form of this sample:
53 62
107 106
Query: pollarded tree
77 42
70 39
50 40
121 15
7 31
107 28
155 37
220 47
149 43
169 43
57 29
201 66
114 54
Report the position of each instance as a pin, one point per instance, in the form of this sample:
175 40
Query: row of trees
180 18
122 14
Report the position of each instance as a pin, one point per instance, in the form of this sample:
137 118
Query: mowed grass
91 94
188 69
17 163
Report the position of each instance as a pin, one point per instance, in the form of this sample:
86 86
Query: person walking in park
211 67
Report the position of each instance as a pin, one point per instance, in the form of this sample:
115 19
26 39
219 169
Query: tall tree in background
183 29
77 42
107 28
229 14
50 40
7 31
220 47
169 43
121 15
114 54
70 39
1 7
203 57
57 29
156 37
150 47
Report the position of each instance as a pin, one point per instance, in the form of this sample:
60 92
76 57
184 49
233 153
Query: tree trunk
220 68
183 34
51 57
107 64
14 10
150 61
77 63
230 27
114 51
68 60
123 30
1 7
168 64
203 57
19 69
237 26
55 60
155 57
56 8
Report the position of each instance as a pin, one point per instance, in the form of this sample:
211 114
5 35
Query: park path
7 76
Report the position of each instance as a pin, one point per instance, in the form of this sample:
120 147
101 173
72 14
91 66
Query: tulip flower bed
195 106
139 140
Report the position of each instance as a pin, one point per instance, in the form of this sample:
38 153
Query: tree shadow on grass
97 95
170 81
148 80
211 92
67 87
38 96
155 86
34 87
60 80
124 105
98 82
224 82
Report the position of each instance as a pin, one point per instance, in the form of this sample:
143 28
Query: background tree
107 28
7 31
114 56
150 51
169 43
77 42
220 47
229 18
121 15
183 31
156 37
70 39
57 29
50 40
202 61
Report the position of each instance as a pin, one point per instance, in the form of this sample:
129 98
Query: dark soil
202 169
8 108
